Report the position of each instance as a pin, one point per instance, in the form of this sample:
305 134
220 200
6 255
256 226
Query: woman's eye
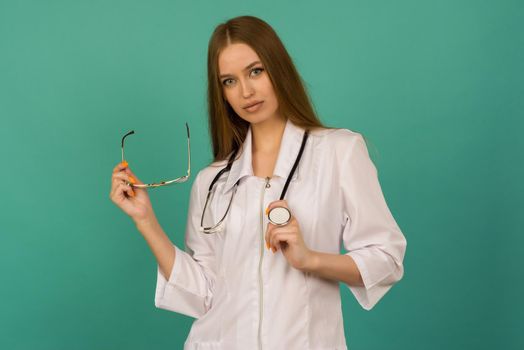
257 70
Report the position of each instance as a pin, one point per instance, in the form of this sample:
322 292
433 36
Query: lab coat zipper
266 186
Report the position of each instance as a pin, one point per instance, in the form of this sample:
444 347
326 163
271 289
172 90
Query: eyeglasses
164 183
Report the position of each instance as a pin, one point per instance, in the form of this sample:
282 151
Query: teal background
436 87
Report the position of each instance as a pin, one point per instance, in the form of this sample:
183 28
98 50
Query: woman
250 283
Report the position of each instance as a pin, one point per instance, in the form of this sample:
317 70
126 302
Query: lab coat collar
289 148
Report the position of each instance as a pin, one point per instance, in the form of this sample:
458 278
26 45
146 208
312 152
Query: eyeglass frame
180 179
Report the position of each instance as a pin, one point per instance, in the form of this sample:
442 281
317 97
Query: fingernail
124 163
274 250
132 180
267 245
267 210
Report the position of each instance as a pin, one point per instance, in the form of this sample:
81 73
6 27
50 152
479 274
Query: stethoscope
278 216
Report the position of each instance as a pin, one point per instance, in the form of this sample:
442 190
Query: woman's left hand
288 238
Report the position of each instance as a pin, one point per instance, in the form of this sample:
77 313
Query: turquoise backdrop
436 87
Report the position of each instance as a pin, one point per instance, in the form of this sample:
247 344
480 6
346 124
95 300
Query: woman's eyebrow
247 67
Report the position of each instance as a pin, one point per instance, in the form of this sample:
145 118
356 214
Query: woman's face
244 82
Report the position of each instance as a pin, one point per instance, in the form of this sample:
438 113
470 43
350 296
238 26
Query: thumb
132 174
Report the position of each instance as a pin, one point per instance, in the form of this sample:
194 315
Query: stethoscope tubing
284 215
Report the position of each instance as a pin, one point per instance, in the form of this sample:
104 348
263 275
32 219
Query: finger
120 180
131 174
124 167
292 225
120 176
126 176
269 232
272 229
272 243
122 191
115 182
120 166
270 226
123 177
281 237
127 189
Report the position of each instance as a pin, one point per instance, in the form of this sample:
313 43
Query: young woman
267 220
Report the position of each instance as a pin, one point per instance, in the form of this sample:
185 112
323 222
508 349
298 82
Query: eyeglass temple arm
123 139
188 152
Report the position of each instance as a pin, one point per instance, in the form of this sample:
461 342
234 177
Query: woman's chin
259 118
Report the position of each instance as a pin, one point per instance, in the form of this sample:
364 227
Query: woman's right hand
132 200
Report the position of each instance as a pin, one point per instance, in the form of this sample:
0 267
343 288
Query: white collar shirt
243 295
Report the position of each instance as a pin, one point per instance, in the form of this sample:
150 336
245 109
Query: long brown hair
228 131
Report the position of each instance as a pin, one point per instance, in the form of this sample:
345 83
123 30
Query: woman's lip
254 103
254 107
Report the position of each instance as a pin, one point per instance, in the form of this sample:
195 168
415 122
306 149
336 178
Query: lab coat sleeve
189 289
370 233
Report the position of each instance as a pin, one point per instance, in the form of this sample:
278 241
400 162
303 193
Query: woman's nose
247 89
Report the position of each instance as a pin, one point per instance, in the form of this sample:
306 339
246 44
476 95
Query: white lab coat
244 296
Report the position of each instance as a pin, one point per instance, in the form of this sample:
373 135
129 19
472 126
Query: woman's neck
267 136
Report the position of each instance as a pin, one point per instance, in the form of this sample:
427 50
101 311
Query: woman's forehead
236 57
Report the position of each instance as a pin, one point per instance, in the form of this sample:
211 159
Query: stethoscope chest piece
279 216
